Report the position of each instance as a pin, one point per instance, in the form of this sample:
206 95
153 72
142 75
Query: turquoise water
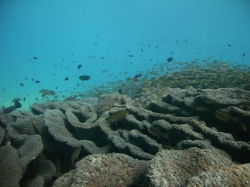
100 35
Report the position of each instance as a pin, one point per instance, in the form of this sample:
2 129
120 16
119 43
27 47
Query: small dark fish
12 108
24 99
66 78
138 75
120 91
37 81
4 90
36 99
130 55
243 54
84 77
102 58
170 59
21 84
77 84
79 66
141 50
32 79
229 45
26 78
35 58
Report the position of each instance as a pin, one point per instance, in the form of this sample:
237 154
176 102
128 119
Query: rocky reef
165 137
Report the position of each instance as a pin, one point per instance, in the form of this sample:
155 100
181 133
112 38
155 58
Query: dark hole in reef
79 116
138 117
122 124
29 174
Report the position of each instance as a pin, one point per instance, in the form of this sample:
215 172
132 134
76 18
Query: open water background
63 34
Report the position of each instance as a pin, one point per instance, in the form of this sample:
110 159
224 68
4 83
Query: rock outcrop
209 122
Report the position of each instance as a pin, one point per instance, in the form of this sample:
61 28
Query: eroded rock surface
105 170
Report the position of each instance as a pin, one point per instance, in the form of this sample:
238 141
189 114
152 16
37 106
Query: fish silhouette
12 108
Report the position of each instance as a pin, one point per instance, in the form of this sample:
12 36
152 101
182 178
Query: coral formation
170 123
10 170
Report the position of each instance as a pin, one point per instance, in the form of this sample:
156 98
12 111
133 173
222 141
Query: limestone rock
109 170
175 168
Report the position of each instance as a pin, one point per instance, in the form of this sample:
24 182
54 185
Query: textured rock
10 170
31 148
2 134
6 119
65 180
237 176
129 148
109 170
216 121
58 128
107 101
46 169
28 146
202 144
175 168
36 182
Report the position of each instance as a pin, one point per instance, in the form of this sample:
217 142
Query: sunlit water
100 35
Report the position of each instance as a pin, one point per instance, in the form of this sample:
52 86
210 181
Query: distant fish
23 98
84 77
66 78
243 54
35 58
32 79
102 58
12 108
37 81
120 91
138 75
4 90
103 71
229 45
130 55
169 59
28 60
21 84
79 66
141 50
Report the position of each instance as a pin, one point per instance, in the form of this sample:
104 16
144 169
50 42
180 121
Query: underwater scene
142 93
